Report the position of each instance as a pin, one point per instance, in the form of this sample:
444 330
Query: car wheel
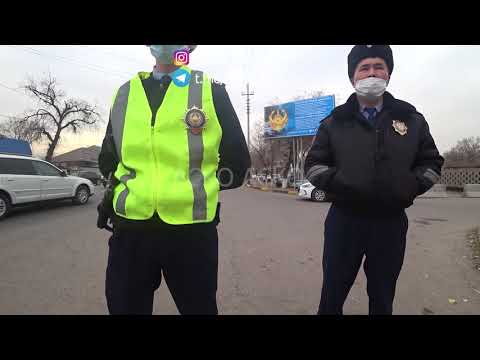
5 206
82 195
318 195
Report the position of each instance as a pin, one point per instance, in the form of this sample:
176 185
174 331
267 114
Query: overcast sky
442 82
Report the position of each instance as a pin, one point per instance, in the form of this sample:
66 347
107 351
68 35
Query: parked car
26 180
310 192
95 178
297 183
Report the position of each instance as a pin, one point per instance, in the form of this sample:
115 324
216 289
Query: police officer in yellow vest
172 143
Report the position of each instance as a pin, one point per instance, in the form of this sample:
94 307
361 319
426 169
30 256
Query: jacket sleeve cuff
426 177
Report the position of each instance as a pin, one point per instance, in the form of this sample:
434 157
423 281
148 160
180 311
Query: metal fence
451 177
457 177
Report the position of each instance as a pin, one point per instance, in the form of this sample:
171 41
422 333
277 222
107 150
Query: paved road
53 260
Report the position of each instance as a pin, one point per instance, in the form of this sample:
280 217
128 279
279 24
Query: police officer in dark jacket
184 253
375 155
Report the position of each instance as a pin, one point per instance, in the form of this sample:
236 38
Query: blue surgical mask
164 53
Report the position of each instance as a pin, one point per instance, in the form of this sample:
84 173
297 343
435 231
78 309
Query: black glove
105 208
104 216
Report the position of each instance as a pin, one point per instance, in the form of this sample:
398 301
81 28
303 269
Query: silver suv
26 180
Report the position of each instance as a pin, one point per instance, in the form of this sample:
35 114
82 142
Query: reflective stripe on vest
195 146
151 160
118 112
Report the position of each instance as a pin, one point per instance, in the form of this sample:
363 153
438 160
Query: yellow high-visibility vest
166 168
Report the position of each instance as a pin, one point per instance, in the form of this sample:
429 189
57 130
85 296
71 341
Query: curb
437 191
286 192
471 190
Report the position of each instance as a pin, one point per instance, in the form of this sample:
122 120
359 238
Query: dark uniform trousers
348 238
187 255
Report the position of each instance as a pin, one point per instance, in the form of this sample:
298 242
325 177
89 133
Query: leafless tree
20 129
466 151
56 114
260 148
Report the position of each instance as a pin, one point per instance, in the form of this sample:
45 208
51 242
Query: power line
68 60
9 116
85 65
12 89
137 62
64 59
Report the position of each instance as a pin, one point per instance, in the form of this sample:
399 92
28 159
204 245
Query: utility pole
248 94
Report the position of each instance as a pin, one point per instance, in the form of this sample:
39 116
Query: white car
26 180
310 192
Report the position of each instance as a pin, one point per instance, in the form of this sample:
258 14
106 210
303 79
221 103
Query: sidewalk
289 191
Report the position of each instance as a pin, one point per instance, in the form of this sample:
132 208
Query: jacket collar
397 108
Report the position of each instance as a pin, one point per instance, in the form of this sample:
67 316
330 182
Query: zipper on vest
155 174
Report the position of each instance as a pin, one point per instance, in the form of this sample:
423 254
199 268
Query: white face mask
371 87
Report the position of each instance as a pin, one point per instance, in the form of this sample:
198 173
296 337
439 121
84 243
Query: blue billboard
297 118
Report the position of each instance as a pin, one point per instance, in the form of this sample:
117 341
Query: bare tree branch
18 128
41 114
466 151
260 148
57 113
45 92
47 135
77 123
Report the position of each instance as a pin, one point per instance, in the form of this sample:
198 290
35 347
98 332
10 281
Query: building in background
79 160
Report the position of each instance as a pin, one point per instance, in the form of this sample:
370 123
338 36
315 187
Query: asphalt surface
53 259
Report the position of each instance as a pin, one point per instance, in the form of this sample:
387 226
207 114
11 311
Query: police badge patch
400 127
195 119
